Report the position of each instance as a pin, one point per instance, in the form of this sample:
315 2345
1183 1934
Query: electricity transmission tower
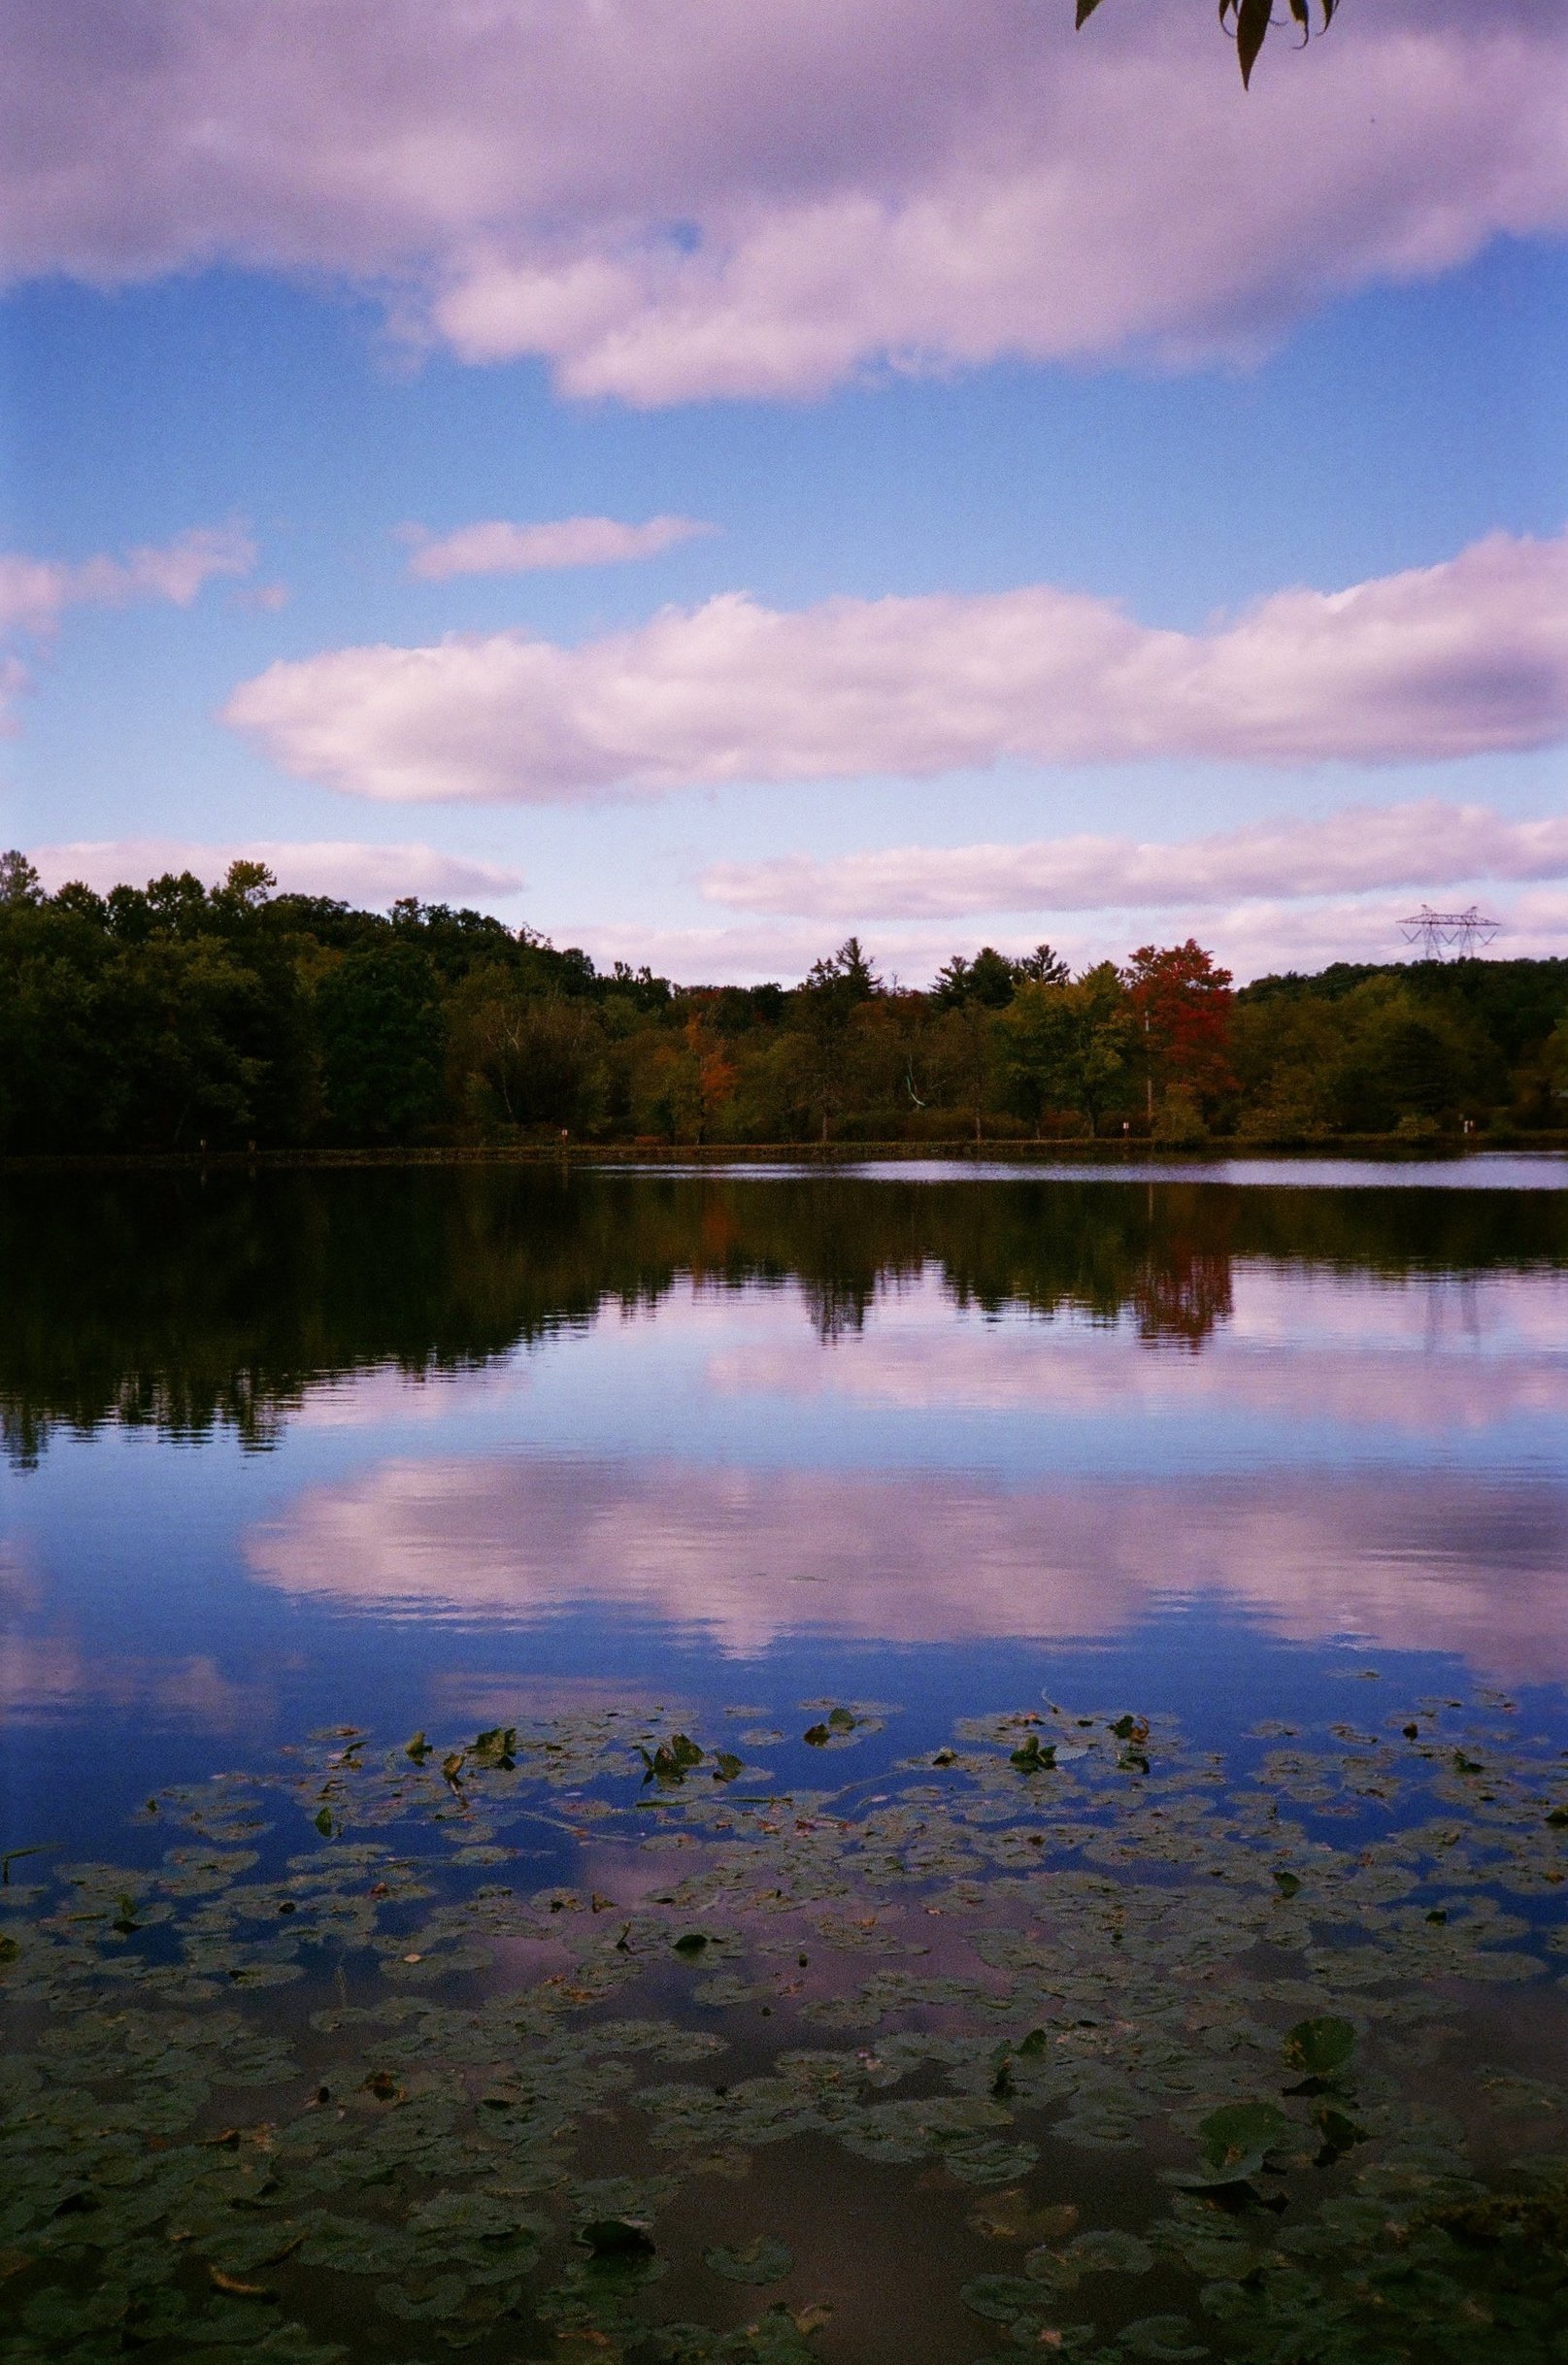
1441 933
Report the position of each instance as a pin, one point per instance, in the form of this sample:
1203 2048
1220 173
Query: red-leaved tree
1181 1004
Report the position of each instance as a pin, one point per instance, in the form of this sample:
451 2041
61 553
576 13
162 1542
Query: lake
929 1687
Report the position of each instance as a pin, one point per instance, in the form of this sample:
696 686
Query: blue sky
301 406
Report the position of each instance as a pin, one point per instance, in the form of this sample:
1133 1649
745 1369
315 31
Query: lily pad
763 2260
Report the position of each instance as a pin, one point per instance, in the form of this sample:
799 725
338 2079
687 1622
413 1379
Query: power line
1441 933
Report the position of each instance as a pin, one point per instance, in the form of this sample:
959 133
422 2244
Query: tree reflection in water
185 1304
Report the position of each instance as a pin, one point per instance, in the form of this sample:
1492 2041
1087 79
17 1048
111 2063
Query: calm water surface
403 1449
1239 2006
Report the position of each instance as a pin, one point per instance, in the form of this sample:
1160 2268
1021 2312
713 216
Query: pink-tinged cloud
709 197
1425 844
1254 939
496 546
1460 658
36 592
359 874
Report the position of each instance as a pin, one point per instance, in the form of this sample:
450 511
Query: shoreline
1389 1149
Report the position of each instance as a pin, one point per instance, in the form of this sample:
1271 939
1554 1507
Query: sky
701 479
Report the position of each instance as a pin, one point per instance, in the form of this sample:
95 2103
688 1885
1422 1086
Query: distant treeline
173 1017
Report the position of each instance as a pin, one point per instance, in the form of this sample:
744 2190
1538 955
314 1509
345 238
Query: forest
177 1017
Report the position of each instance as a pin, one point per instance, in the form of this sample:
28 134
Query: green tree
380 1025
1067 1046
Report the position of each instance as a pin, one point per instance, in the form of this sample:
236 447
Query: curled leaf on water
726 1765
8 1948
817 1736
234 2287
1340 2134
1031 1758
1032 2047
323 1820
1131 1728
615 2238
949 1757
672 1760
496 1747
841 1721
1558 1820
419 1749
693 1942
763 2260
1287 1884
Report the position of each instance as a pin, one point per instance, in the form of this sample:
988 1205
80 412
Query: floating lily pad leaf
1002 2299
1320 2047
1031 1758
1287 1884
419 1749
692 1943
1167 2339
1011 2217
817 1736
726 1765
990 2160
762 2261
1240 2128
1104 2250
1131 1728
615 2238
842 1721
1235 2141
324 1822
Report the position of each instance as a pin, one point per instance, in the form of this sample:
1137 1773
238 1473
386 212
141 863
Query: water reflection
186 1306
743 1558
512 1416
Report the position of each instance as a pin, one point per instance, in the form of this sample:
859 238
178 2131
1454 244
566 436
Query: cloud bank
359 874
496 546
709 198
1461 658
1422 844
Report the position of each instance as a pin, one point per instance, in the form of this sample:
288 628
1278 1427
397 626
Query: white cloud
1252 939
359 874
1454 660
497 546
35 592
708 197
1425 844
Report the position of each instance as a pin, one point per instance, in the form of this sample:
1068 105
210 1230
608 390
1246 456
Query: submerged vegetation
594 2038
174 1017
